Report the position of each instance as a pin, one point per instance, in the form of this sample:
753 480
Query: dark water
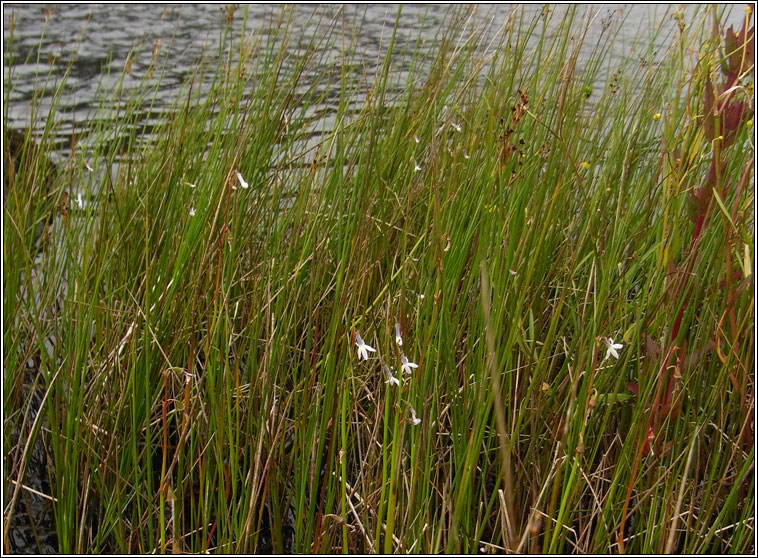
91 45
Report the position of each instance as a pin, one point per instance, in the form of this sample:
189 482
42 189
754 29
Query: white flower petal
391 379
612 348
407 365
362 347
242 181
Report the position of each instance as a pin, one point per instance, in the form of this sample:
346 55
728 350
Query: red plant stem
210 535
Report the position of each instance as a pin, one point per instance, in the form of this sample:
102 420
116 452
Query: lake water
94 43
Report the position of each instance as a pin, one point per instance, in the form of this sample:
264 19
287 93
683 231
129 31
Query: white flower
407 365
611 346
79 201
416 138
242 181
466 155
416 167
191 211
390 378
362 347
415 420
398 337
455 126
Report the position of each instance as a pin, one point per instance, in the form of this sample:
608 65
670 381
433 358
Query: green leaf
611 398
629 333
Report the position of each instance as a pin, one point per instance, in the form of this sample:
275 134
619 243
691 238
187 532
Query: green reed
194 340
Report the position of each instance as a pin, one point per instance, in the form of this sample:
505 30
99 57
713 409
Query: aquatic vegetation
391 379
407 366
241 180
183 353
612 348
362 347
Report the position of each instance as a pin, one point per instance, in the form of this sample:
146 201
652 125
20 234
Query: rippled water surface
93 45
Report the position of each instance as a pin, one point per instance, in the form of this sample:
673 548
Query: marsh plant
504 302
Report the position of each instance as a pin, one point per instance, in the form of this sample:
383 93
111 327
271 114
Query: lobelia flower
407 365
416 167
362 347
611 346
390 378
79 201
242 181
191 211
398 337
456 127
415 420
416 138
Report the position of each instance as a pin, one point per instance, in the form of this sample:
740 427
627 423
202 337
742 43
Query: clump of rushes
176 342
